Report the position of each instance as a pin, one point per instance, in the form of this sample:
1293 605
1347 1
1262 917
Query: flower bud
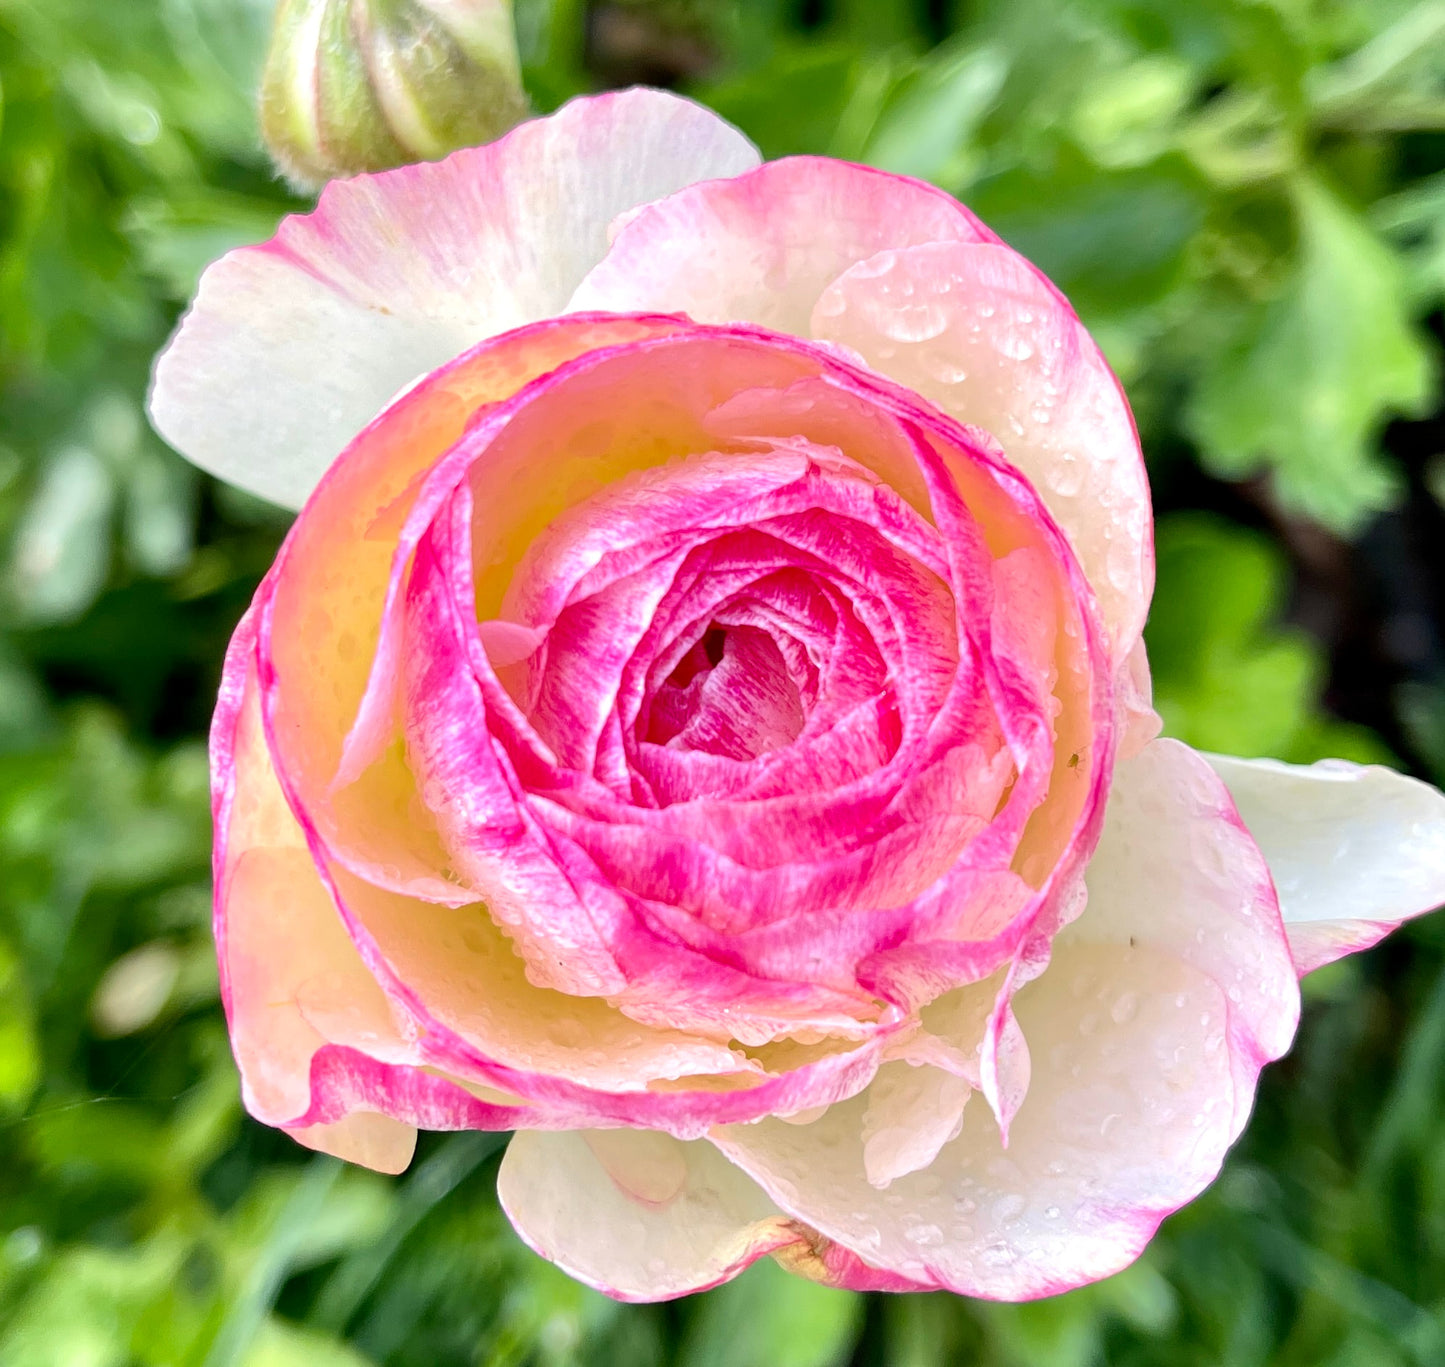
365 85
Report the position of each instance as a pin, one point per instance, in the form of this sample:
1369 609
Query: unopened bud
365 85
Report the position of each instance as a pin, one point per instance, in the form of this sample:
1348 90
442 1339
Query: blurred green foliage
1245 199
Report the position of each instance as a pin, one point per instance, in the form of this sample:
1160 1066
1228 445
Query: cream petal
1354 849
637 1214
291 979
912 1113
369 1138
470 979
296 982
291 347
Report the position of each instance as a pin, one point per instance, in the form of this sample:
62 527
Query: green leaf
768 1315
1306 390
820 77
24 710
557 1318
1064 1332
62 549
1111 239
1393 81
1414 220
921 1330
177 236
85 1309
278 1344
1227 676
433 1181
19 1047
927 129
287 1232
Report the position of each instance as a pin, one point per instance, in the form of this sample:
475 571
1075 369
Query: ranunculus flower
702 724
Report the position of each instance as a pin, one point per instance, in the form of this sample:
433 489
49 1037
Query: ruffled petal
331 591
508 810
1354 849
1147 1033
291 980
638 1215
330 986
332 617
291 347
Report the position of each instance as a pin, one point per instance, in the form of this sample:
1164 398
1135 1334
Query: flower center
757 627
730 695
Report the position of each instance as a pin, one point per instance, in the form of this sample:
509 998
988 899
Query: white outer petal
912 1113
635 1213
291 347
1354 849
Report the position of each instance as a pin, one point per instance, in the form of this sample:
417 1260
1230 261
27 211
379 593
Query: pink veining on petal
608 370
822 997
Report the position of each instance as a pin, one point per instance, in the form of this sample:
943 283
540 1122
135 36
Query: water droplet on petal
1125 1009
1066 477
924 1234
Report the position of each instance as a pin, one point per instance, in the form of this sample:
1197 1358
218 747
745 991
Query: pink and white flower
702 724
